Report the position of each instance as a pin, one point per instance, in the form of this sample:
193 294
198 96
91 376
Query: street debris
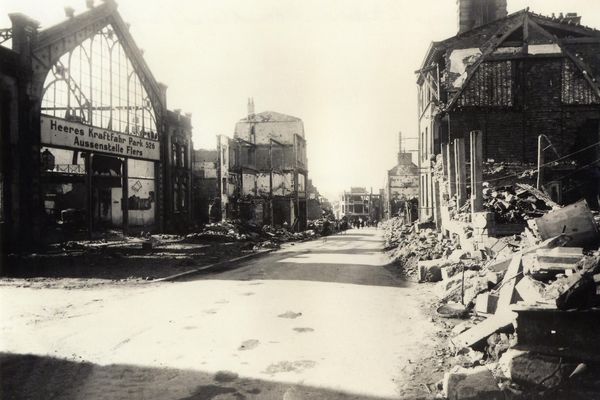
531 301
409 247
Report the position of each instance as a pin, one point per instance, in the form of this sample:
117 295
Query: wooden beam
579 63
483 330
572 28
511 278
487 49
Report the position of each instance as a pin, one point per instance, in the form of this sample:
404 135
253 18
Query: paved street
321 319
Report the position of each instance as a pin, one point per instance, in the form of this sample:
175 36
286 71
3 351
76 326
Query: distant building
402 187
358 203
263 172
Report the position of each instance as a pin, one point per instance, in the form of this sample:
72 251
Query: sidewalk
93 263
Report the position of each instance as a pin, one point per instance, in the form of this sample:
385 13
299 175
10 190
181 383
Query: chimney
474 13
69 12
250 107
400 141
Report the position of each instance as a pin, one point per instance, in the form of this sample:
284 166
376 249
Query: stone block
450 270
471 384
430 270
492 277
530 290
486 303
533 369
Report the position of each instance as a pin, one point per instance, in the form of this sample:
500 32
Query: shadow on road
321 261
39 377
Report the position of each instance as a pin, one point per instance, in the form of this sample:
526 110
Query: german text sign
78 136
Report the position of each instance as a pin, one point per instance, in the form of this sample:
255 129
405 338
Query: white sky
346 67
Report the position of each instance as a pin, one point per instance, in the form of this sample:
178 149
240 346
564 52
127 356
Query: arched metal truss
96 83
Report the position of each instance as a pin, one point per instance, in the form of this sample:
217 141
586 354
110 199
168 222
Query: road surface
316 320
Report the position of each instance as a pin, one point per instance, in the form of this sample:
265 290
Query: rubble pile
224 231
266 236
508 171
324 226
533 307
281 235
518 204
408 246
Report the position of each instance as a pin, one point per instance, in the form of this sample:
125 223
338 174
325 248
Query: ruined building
402 187
204 186
88 145
512 78
358 203
263 171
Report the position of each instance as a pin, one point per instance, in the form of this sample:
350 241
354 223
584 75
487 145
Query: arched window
96 84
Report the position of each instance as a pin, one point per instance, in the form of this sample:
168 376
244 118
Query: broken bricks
471 384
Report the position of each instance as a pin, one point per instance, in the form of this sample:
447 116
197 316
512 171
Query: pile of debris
409 245
516 204
266 236
281 235
227 231
534 311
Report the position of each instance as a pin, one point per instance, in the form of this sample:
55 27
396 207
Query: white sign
75 135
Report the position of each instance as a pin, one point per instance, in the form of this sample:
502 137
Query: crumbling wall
264 131
248 184
263 158
457 63
279 187
263 184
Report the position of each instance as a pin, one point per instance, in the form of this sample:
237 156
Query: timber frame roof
570 37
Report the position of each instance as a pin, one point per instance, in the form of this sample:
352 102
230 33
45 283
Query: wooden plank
483 330
559 258
511 278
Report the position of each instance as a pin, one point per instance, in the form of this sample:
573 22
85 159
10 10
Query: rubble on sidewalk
537 292
471 384
407 246
266 236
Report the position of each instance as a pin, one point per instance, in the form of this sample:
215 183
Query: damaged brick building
512 78
402 187
262 171
88 144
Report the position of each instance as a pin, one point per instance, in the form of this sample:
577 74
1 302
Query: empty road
324 319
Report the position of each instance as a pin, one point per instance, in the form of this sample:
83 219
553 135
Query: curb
206 267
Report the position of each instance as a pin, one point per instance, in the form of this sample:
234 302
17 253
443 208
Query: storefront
92 149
